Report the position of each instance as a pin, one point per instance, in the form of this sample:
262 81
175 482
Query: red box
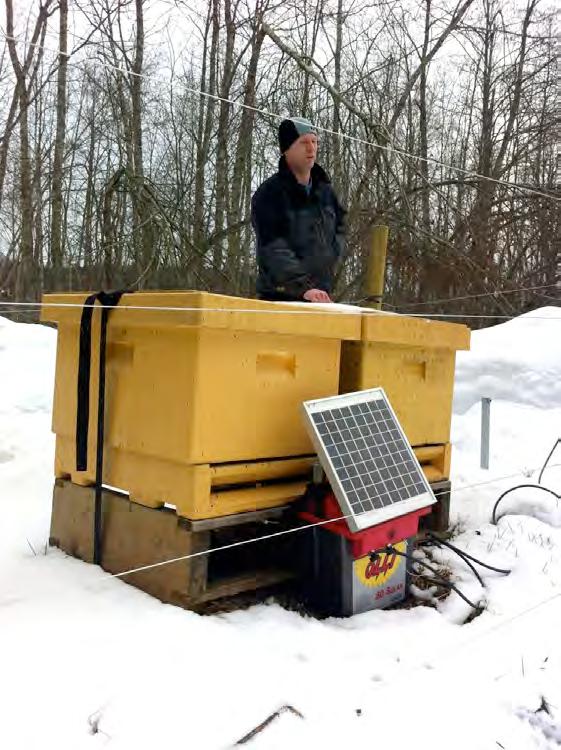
363 542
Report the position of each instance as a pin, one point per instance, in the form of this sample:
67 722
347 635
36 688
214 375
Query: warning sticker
379 571
381 581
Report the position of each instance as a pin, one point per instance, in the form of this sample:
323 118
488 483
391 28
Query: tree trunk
222 181
142 224
206 115
237 209
26 273
336 123
11 120
60 137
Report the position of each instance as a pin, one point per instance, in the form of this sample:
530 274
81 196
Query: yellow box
209 380
413 360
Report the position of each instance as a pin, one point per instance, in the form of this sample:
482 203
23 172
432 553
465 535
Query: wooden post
376 268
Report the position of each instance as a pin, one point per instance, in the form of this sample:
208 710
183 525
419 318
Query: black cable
494 519
442 582
468 557
437 579
391 549
537 486
460 555
551 452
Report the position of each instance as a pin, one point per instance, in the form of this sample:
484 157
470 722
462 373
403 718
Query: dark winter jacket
300 235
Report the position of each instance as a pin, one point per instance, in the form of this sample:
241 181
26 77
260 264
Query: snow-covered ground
79 655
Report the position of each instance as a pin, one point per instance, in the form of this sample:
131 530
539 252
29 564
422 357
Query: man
298 222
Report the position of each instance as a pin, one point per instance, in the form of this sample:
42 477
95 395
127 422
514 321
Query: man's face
301 156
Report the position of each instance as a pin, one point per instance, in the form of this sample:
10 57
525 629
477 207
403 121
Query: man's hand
316 295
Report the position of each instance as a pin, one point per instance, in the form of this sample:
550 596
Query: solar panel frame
339 467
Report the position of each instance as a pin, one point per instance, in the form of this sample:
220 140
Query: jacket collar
319 175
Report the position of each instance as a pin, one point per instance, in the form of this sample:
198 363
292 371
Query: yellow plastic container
413 359
212 381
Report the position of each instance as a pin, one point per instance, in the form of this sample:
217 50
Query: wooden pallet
439 517
135 535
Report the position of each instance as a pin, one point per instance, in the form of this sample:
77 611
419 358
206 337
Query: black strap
108 300
84 367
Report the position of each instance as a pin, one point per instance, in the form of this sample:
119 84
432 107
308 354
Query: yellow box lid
423 332
172 309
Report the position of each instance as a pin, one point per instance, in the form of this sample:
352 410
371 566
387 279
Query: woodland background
116 170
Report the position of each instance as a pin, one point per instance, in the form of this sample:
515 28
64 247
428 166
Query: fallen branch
254 732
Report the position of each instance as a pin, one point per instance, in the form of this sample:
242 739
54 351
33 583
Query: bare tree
26 276
60 138
123 162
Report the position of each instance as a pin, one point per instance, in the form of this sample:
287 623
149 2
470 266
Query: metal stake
485 431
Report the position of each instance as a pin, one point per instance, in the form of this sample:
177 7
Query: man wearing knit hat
298 222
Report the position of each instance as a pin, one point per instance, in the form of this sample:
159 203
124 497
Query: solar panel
369 463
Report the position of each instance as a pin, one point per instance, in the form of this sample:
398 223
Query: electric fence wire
281 533
302 308
328 131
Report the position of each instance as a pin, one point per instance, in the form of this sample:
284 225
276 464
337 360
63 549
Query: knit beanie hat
290 130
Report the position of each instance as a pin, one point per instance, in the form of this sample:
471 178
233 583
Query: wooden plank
135 535
245 582
439 517
198 566
210 524
72 519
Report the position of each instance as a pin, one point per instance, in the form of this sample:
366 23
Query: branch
362 116
268 720
454 22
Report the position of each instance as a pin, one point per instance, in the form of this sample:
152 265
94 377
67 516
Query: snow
91 663
518 361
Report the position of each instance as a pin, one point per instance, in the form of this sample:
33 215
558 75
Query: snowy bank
89 663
